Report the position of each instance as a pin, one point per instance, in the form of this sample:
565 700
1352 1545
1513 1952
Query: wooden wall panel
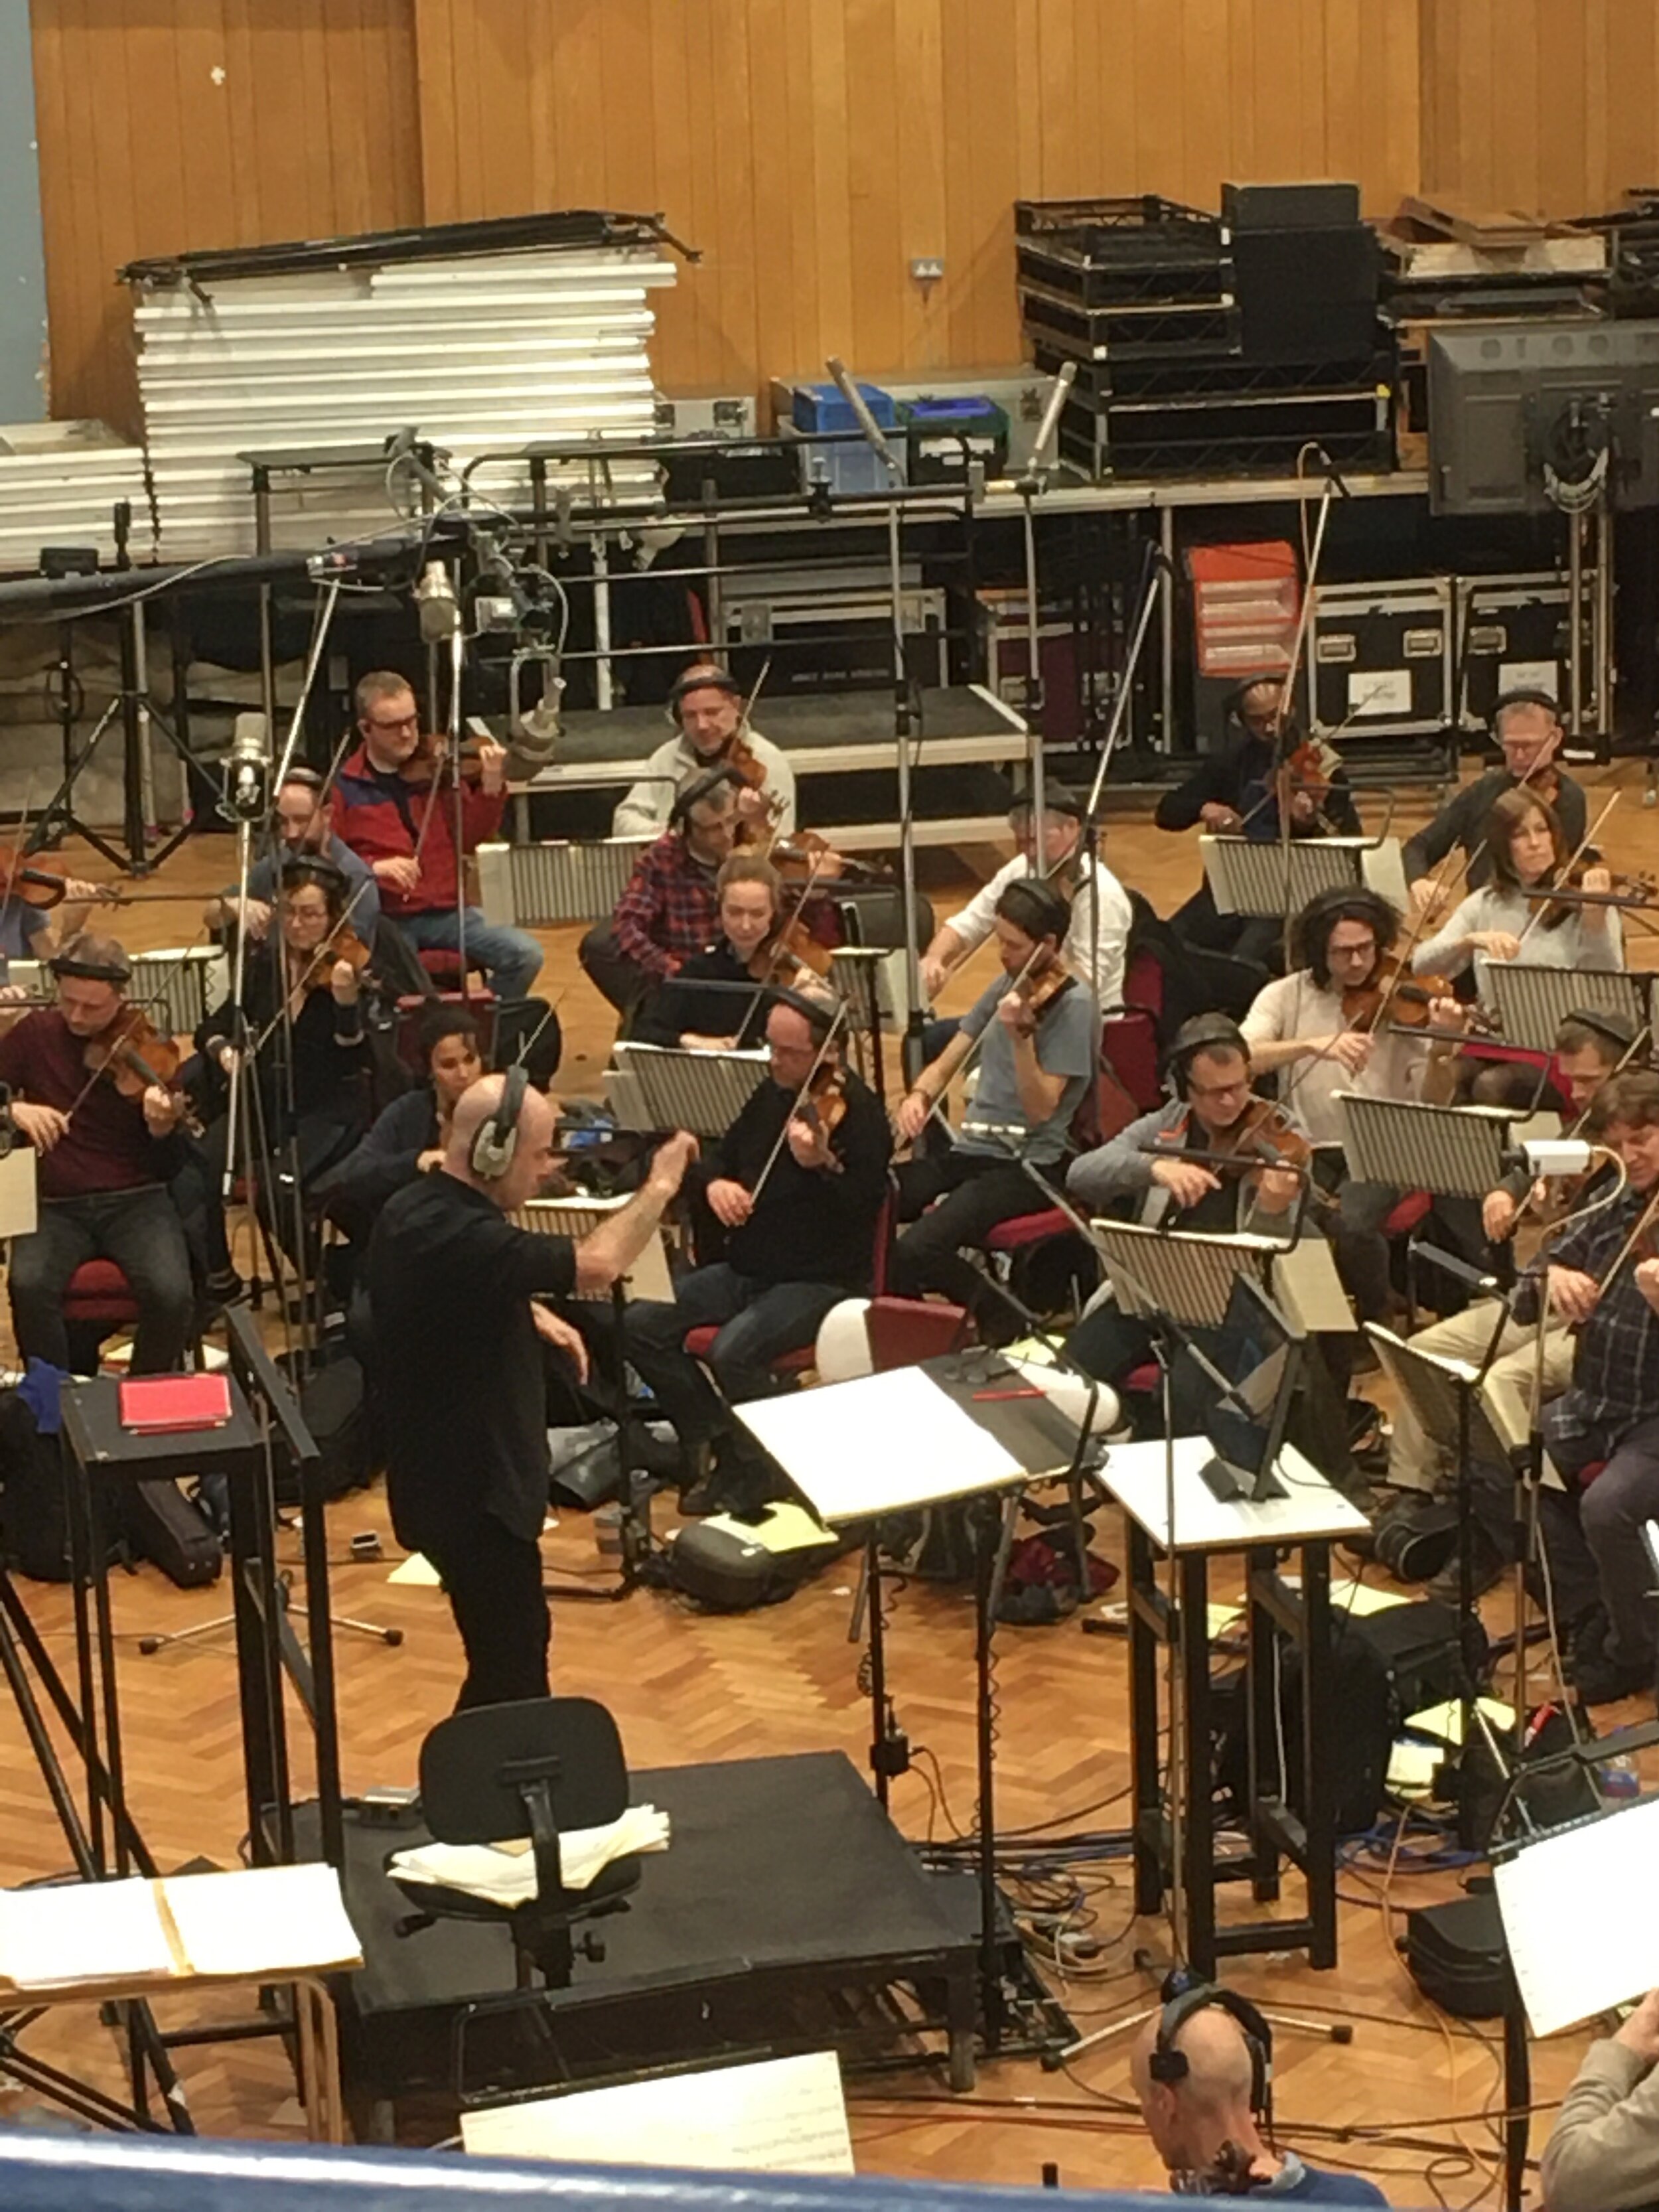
813 147
165 124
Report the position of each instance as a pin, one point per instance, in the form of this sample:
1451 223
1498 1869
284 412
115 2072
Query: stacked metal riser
484 353
1175 374
60 483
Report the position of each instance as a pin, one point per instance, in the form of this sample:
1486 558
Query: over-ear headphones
1619 1029
704 676
1182 1996
1203 1033
1524 695
497 1140
699 788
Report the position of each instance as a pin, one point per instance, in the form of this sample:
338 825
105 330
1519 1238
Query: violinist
751 953
1528 852
669 909
1234 791
1098 941
28 931
798 1183
300 820
394 804
1526 728
1334 1024
1606 1287
705 707
106 1159
1035 1030
312 1081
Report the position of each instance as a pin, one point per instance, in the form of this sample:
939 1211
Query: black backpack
33 1496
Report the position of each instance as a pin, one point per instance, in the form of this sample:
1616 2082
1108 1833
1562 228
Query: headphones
699 788
1203 1033
69 963
1181 1996
497 1140
1609 1022
704 676
1523 696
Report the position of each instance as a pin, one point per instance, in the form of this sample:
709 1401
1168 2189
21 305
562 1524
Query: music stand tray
1453 1151
560 879
669 1088
1186 1274
1531 1002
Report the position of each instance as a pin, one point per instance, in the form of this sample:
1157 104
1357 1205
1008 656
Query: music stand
1531 1002
1179 1274
668 1088
1451 1152
560 879
1250 876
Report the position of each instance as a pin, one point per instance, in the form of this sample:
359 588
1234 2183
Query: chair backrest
905 1331
474 1764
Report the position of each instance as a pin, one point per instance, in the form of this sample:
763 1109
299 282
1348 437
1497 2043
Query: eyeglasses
1219 1090
397 722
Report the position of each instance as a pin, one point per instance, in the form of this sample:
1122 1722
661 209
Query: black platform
788 1913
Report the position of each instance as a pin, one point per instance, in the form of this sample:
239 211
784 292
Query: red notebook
151 1404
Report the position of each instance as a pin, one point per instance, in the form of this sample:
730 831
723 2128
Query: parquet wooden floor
686 1688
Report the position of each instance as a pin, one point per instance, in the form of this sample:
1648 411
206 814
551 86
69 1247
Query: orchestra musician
455 1362
1526 728
1336 1024
1590 1046
669 909
1097 942
1212 1110
394 804
303 829
106 1157
705 707
35 932
797 1183
410 1136
747 954
1038 1034
1234 791
1528 850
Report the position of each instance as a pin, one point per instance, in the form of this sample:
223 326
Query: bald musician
456 1362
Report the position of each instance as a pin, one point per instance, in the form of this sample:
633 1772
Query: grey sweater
1603 2155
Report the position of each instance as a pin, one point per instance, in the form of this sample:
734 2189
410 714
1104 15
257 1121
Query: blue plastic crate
821 407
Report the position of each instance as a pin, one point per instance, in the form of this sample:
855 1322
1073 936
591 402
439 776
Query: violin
1034 996
1261 1140
824 1106
23 884
135 1055
1394 990
343 943
1567 895
425 765
792 941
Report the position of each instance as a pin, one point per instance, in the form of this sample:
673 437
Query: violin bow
936 1106
324 951
1571 863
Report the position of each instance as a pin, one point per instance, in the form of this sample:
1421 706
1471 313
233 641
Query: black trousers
975 1191
493 1580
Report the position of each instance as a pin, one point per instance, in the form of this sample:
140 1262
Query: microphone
1552 1156
865 421
247 770
439 612
1050 423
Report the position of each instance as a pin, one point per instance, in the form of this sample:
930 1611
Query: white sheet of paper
82 1931
775 2116
416 1572
879 1444
262 1918
1572 1912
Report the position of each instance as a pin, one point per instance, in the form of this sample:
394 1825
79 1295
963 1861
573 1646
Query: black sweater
1239 775
1464 820
811 1225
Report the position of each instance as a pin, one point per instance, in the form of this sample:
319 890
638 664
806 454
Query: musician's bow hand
1185 1181
1428 898
934 973
42 1125
1224 820
1499 1210
1497 944
1573 1294
729 1202
1350 1050
1647 1281
402 871
911 1115
1640 2033
492 768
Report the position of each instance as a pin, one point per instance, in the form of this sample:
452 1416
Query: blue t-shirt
1067 1043
19 925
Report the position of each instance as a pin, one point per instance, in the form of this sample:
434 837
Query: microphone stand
1031 483
1156 572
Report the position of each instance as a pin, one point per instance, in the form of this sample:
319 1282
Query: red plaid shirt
669 910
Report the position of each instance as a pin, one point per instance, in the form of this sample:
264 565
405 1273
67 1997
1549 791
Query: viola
135 1056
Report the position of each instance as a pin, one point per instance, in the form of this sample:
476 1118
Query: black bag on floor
332 1408
33 1498
161 1524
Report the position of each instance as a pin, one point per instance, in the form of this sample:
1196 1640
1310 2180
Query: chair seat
98 1290
700 1342
1027 1229
1142 1380
1588 1474
603 1894
1405 1213
445 966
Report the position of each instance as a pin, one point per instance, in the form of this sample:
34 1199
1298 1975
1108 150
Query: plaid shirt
669 910
1615 1366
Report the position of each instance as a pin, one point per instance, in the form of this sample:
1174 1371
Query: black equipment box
1226 417
1308 206
1382 657
1309 294
1456 1956
1514 634
1141 279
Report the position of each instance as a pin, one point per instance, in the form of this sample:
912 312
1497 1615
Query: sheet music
879 1444
262 1919
82 1931
1575 1913
775 2116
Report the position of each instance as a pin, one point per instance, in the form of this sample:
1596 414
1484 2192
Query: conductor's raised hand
1185 1181
729 1202
670 1162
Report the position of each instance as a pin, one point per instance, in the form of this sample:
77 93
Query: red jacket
382 815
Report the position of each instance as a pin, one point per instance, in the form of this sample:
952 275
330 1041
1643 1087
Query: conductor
456 1364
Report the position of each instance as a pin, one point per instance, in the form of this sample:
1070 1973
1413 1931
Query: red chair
98 1292
700 1342
1406 1215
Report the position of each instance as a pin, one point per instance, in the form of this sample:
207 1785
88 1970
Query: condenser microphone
440 610
247 770
861 415
1044 443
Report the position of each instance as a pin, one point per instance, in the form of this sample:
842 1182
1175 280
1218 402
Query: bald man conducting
1203 2084
456 1365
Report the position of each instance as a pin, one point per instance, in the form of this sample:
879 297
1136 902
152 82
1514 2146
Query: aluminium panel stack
59 485
481 353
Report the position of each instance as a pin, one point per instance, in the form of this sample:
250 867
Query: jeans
140 1230
975 1191
1610 1516
493 1580
757 1323
510 960
617 978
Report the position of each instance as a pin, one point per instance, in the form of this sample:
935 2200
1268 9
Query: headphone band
1171 2066
497 1140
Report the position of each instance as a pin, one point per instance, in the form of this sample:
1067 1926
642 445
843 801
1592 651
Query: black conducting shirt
457 1363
